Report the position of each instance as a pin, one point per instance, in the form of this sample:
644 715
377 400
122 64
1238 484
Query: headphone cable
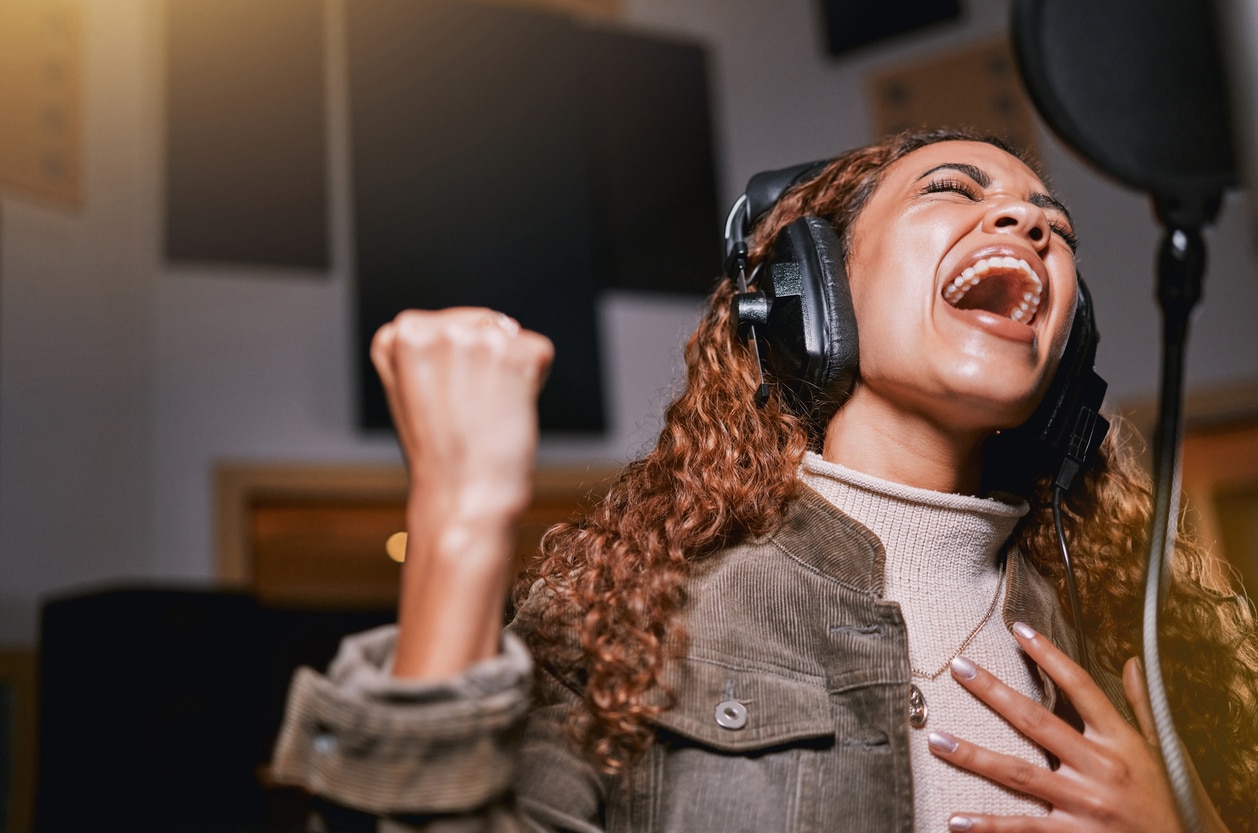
1071 588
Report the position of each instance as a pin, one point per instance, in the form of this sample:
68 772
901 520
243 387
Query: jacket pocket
736 708
741 751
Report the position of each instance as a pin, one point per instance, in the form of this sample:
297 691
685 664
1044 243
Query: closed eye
957 186
1066 234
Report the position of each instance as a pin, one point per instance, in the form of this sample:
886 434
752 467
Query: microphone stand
1181 267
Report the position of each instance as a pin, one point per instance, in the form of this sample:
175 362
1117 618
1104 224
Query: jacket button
731 714
324 743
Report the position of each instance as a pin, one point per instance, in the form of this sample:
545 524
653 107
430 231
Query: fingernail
960 823
942 742
963 668
1024 630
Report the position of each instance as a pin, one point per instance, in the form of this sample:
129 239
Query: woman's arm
1110 777
426 725
462 387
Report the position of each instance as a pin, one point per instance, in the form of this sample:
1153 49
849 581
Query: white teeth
972 276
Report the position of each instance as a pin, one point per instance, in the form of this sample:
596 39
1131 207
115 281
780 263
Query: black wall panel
246 140
650 149
517 160
852 24
470 183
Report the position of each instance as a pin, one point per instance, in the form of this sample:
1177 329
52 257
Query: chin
999 405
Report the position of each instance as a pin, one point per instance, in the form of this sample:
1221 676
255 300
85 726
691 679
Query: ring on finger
503 322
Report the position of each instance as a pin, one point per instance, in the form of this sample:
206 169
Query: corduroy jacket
791 709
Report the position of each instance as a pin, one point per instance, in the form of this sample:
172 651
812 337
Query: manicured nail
1024 630
942 742
960 823
963 668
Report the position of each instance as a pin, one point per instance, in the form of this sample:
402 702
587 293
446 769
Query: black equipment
1138 87
185 702
800 324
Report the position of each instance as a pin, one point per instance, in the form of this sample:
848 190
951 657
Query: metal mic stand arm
1181 268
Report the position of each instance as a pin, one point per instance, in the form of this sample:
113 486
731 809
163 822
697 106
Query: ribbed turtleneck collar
936 542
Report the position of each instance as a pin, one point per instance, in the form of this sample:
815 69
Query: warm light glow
41 97
396 546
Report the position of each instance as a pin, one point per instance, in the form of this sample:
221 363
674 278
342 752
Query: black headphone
800 325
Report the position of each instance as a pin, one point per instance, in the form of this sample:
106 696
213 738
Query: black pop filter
1138 88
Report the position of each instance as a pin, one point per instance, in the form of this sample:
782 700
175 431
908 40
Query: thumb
1138 697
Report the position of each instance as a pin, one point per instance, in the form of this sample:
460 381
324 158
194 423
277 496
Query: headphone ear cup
811 332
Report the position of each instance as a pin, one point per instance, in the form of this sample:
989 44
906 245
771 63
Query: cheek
892 275
1064 321
889 334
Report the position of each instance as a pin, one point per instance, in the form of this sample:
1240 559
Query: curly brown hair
1209 645
725 469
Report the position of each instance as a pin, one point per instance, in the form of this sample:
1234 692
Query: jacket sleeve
475 753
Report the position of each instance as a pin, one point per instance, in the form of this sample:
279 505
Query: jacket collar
821 537
817 534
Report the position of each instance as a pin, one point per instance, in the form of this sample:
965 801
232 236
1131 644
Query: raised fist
462 386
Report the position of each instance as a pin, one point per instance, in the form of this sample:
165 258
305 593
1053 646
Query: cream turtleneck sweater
944 567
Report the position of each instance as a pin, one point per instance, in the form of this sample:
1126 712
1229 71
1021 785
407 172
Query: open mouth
1004 286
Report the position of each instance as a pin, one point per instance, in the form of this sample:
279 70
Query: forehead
1004 169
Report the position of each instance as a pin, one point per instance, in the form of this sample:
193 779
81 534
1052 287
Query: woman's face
963 282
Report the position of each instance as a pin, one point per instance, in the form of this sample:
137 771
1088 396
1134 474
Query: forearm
454 584
462 386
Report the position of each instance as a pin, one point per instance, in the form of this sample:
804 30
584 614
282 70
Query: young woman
781 622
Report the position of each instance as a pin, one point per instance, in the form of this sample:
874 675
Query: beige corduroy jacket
791 711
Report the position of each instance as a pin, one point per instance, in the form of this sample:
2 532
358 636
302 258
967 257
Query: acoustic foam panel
471 186
517 160
853 24
658 224
246 148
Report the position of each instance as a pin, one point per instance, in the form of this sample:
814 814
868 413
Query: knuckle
1113 768
1097 806
1036 719
538 348
382 341
1023 775
1073 677
409 318
546 347
411 328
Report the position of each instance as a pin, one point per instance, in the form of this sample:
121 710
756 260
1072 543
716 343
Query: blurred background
206 207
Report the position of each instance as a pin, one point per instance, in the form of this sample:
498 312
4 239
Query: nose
1019 217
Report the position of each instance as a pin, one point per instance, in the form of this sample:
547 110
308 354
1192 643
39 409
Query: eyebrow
1036 198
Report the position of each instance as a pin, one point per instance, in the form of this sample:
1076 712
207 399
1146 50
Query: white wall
75 347
123 380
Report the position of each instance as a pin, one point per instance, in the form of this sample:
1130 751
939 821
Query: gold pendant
917 707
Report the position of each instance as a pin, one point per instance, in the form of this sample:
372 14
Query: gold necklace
918 712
